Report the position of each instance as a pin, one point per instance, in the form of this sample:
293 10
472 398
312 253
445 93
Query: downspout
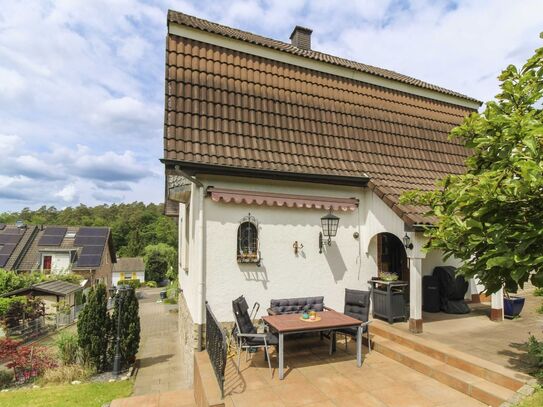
201 255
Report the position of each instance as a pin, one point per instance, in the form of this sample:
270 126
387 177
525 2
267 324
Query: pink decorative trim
288 200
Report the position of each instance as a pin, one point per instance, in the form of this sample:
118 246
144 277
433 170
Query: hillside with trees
137 229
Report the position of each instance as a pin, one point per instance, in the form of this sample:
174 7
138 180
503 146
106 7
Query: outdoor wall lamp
329 224
407 242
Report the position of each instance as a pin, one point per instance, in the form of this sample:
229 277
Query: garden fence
28 329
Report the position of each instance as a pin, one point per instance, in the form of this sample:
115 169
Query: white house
264 138
128 268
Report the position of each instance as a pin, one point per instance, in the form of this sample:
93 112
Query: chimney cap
299 28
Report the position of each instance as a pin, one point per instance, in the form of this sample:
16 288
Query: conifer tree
129 327
93 329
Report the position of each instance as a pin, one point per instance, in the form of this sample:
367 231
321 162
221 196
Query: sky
82 81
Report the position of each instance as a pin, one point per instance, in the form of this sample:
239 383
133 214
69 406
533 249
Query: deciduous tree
491 217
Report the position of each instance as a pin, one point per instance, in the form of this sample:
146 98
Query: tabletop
292 323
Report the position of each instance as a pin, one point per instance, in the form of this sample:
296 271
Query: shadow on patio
313 377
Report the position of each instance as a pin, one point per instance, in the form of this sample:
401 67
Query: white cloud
68 193
9 143
82 83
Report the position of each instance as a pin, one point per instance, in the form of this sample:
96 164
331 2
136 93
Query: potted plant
512 305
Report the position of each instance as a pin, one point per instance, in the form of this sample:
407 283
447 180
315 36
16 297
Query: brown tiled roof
129 264
234 33
233 110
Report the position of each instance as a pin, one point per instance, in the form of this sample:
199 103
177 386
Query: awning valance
289 200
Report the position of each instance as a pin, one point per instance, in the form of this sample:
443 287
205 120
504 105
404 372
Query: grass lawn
81 395
535 400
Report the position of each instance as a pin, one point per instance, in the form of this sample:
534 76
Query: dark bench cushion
297 305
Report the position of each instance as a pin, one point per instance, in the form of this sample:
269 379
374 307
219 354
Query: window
247 249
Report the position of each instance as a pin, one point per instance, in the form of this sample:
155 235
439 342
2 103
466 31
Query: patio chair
357 305
246 335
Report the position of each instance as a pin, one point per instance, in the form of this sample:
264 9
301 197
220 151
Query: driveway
160 351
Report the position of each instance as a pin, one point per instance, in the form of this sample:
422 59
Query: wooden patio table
286 324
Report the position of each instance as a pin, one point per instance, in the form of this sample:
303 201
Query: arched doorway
391 256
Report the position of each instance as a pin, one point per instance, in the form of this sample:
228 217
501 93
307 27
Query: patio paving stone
314 378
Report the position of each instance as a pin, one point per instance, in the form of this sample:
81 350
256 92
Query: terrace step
482 368
482 380
469 384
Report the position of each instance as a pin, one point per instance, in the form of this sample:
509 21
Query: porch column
415 295
496 301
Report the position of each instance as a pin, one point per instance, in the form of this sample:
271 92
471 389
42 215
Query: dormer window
247 249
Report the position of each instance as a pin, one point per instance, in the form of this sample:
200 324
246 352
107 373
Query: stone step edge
471 364
471 385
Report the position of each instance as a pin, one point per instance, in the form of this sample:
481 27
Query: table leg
281 356
359 347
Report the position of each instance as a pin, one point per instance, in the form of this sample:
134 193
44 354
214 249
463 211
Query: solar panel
3 259
50 240
89 241
6 249
92 260
88 231
92 240
92 250
55 231
9 239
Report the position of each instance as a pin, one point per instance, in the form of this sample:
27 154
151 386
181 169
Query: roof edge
194 168
264 50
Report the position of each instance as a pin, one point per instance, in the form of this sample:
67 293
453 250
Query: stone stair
480 379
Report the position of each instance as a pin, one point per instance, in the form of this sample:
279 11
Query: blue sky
82 82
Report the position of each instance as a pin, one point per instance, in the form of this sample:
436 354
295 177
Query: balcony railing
216 346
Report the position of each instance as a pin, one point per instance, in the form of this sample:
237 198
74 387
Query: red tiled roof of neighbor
233 110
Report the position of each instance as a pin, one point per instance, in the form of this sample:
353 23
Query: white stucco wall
60 261
348 263
116 276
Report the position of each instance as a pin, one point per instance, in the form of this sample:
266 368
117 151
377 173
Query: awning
291 201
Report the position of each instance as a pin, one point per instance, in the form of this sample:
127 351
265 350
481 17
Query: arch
389 254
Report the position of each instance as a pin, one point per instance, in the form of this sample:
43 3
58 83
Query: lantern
329 224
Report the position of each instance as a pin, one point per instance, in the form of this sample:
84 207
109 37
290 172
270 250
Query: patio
503 343
313 378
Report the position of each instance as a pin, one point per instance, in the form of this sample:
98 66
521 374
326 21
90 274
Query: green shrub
6 379
539 309
535 352
151 284
66 374
134 283
68 349
538 292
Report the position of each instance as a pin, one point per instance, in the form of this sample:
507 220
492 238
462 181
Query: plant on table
386 276
490 216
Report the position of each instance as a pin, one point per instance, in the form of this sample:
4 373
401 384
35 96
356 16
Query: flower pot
512 306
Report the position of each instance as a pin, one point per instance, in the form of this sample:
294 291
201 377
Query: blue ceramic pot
512 306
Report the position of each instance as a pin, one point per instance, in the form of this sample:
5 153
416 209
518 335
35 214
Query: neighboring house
128 268
52 293
264 138
87 251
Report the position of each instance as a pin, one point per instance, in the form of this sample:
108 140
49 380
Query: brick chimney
301 37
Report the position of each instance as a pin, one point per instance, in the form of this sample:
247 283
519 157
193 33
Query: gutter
189 169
